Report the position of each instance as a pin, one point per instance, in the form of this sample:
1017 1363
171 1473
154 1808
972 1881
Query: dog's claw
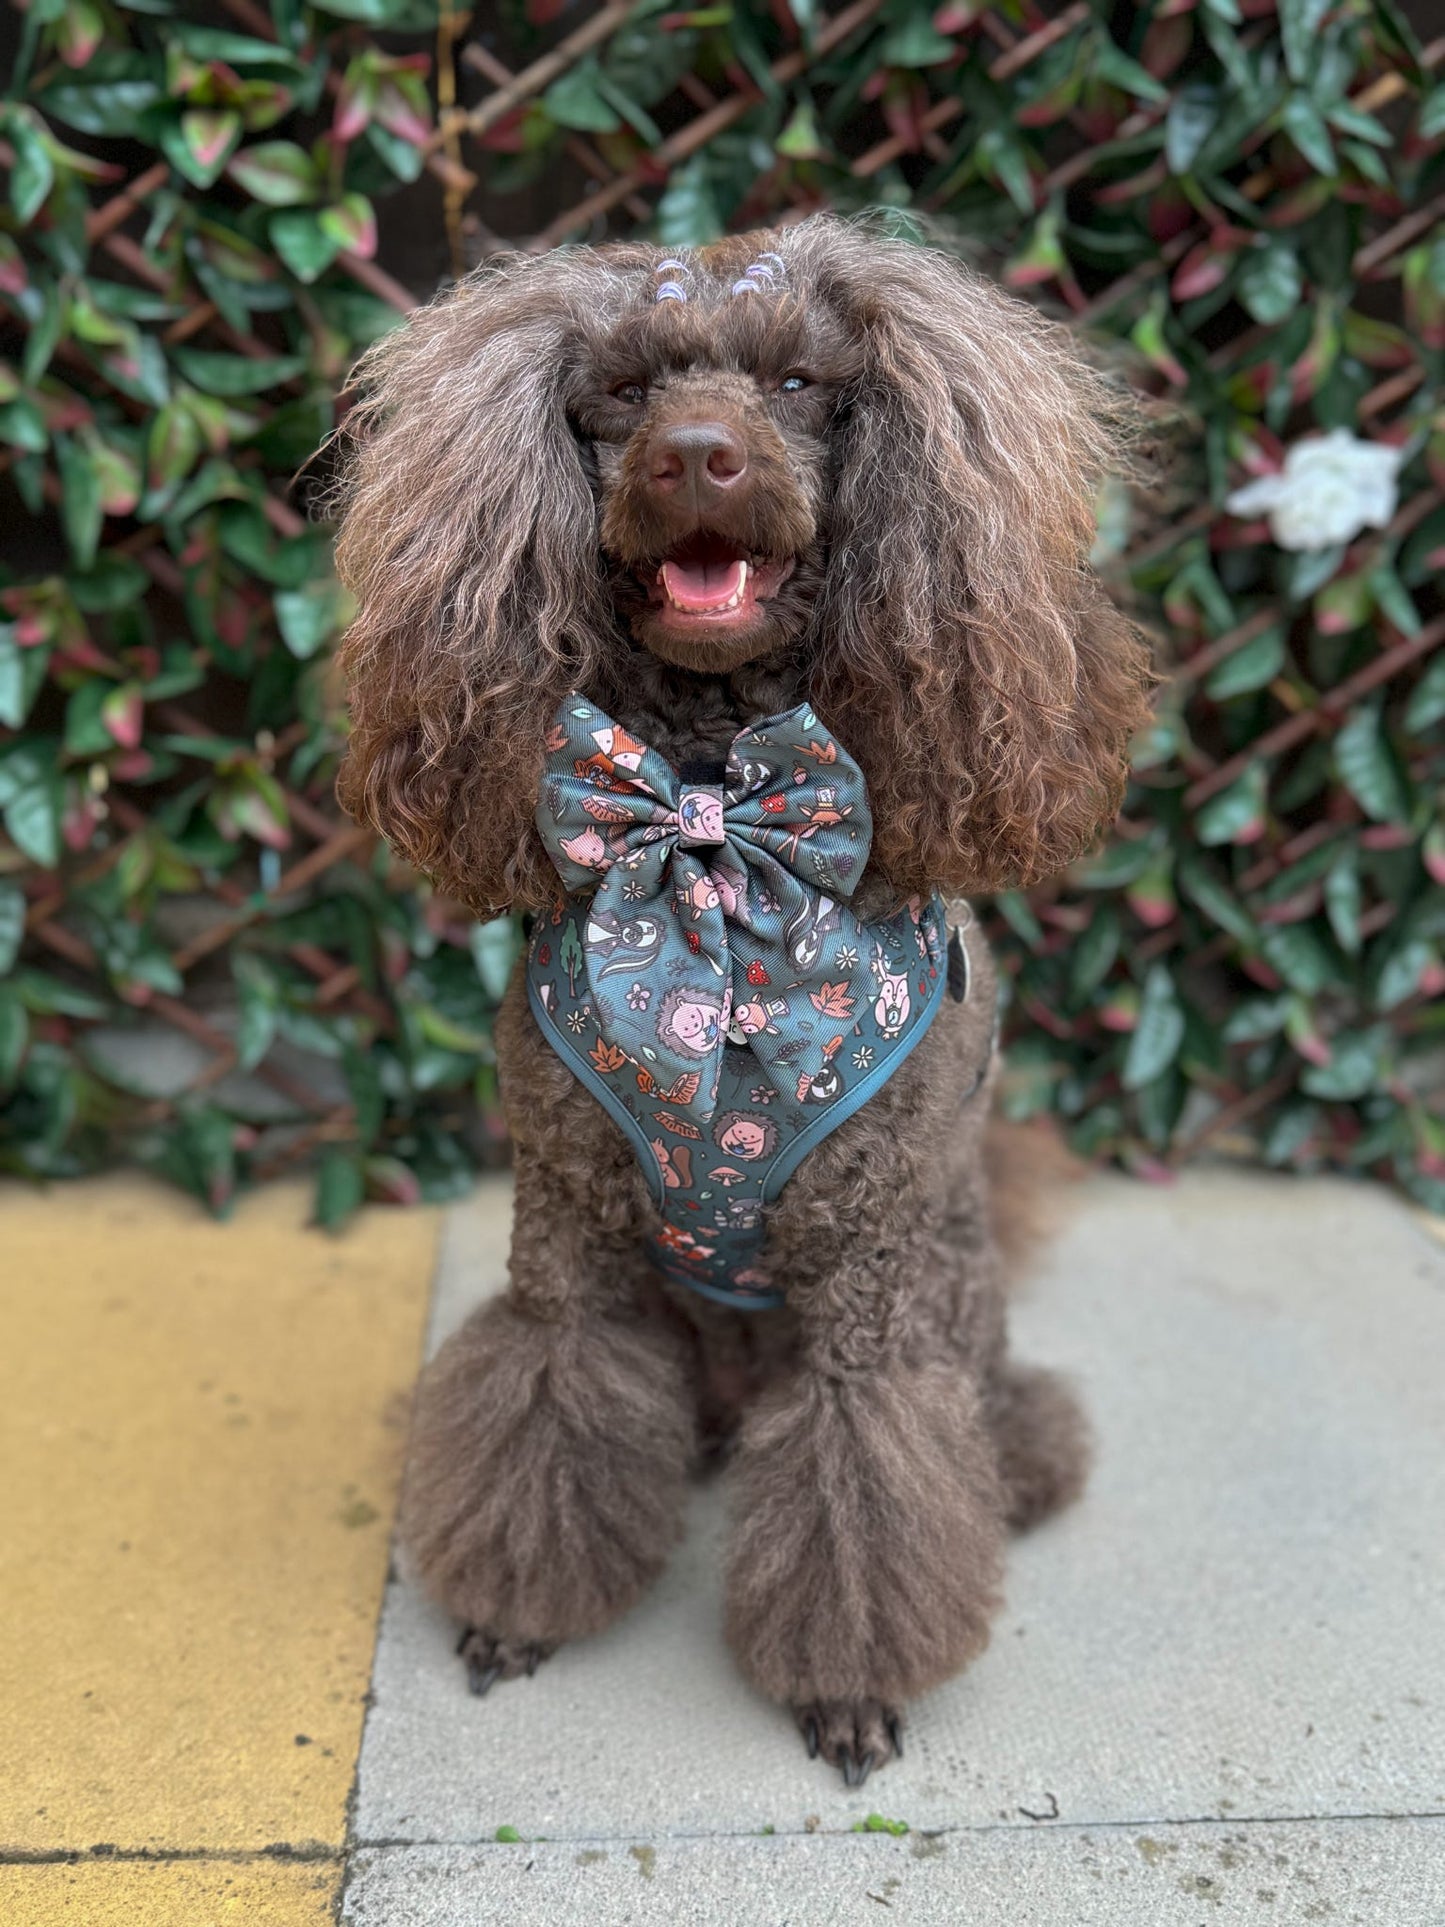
852 1735
462 1639
534 1660
481 1679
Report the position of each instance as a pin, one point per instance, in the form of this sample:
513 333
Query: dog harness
704 977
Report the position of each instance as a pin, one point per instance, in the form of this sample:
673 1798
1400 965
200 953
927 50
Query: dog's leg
1042 1438
869 1516
551 1443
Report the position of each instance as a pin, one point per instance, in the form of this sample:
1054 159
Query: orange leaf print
833 1001
676 1125
607 1057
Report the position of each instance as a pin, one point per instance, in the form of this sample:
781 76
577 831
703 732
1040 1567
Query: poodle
728 615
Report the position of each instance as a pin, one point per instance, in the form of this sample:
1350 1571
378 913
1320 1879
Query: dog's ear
468 537
965 653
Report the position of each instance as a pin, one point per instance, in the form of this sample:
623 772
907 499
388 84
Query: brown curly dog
547 463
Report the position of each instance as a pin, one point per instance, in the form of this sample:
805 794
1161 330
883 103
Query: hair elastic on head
759 276
671 290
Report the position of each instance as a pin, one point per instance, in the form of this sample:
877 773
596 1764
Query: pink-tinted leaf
80 31
1201 271
389 1181
123 713
277 173
210 136
403 109
351 223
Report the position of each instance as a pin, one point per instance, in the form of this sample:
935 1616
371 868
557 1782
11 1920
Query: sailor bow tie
714 896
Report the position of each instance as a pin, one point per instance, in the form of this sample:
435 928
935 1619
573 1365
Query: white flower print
862 1058
846 959
639 997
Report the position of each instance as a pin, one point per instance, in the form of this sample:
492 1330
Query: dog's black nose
697 456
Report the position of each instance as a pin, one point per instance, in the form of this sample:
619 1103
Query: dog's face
707 418
822 446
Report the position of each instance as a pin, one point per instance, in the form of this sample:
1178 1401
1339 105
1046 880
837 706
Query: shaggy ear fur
964 652
469 538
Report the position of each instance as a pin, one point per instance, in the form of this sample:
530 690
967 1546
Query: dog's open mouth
709 579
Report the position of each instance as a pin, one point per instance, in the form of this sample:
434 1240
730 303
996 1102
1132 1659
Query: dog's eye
631 392
793 384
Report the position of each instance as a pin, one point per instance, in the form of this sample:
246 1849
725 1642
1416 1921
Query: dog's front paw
853 1735
491 1656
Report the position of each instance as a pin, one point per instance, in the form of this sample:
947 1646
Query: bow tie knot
702 893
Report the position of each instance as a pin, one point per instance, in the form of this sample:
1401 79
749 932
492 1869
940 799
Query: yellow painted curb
168 1893
202 1428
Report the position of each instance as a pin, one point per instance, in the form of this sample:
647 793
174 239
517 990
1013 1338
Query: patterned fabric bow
715 897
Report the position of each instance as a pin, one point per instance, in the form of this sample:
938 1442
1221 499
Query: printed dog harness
704 978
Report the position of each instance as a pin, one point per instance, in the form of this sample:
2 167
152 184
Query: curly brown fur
905 459
935 485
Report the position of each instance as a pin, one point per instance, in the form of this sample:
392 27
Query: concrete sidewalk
1217 1694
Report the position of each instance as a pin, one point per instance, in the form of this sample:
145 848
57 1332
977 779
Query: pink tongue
702 585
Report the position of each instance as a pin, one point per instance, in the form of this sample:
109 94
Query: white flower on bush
1331 487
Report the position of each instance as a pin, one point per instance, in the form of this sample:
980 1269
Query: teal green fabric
704 976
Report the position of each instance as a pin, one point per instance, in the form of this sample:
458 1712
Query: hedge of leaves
1246 198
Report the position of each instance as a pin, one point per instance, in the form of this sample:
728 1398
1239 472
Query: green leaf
32 172
1302 958
1218 903
687 214
1270 283
200 142
915 42
81 510
12 924
33 818
236 375
1369 768
1004 158
577 101
1427 700
1112 65
85 730
1299 25
1432 114
1355 1066
1159 1032
278 173
1236 814
22 675
303 242
494 948
1094 953
1342 900
1192 117
14 1035
309 617
1252 667
340 1186
1305 125
22 426
105 106
1398 977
